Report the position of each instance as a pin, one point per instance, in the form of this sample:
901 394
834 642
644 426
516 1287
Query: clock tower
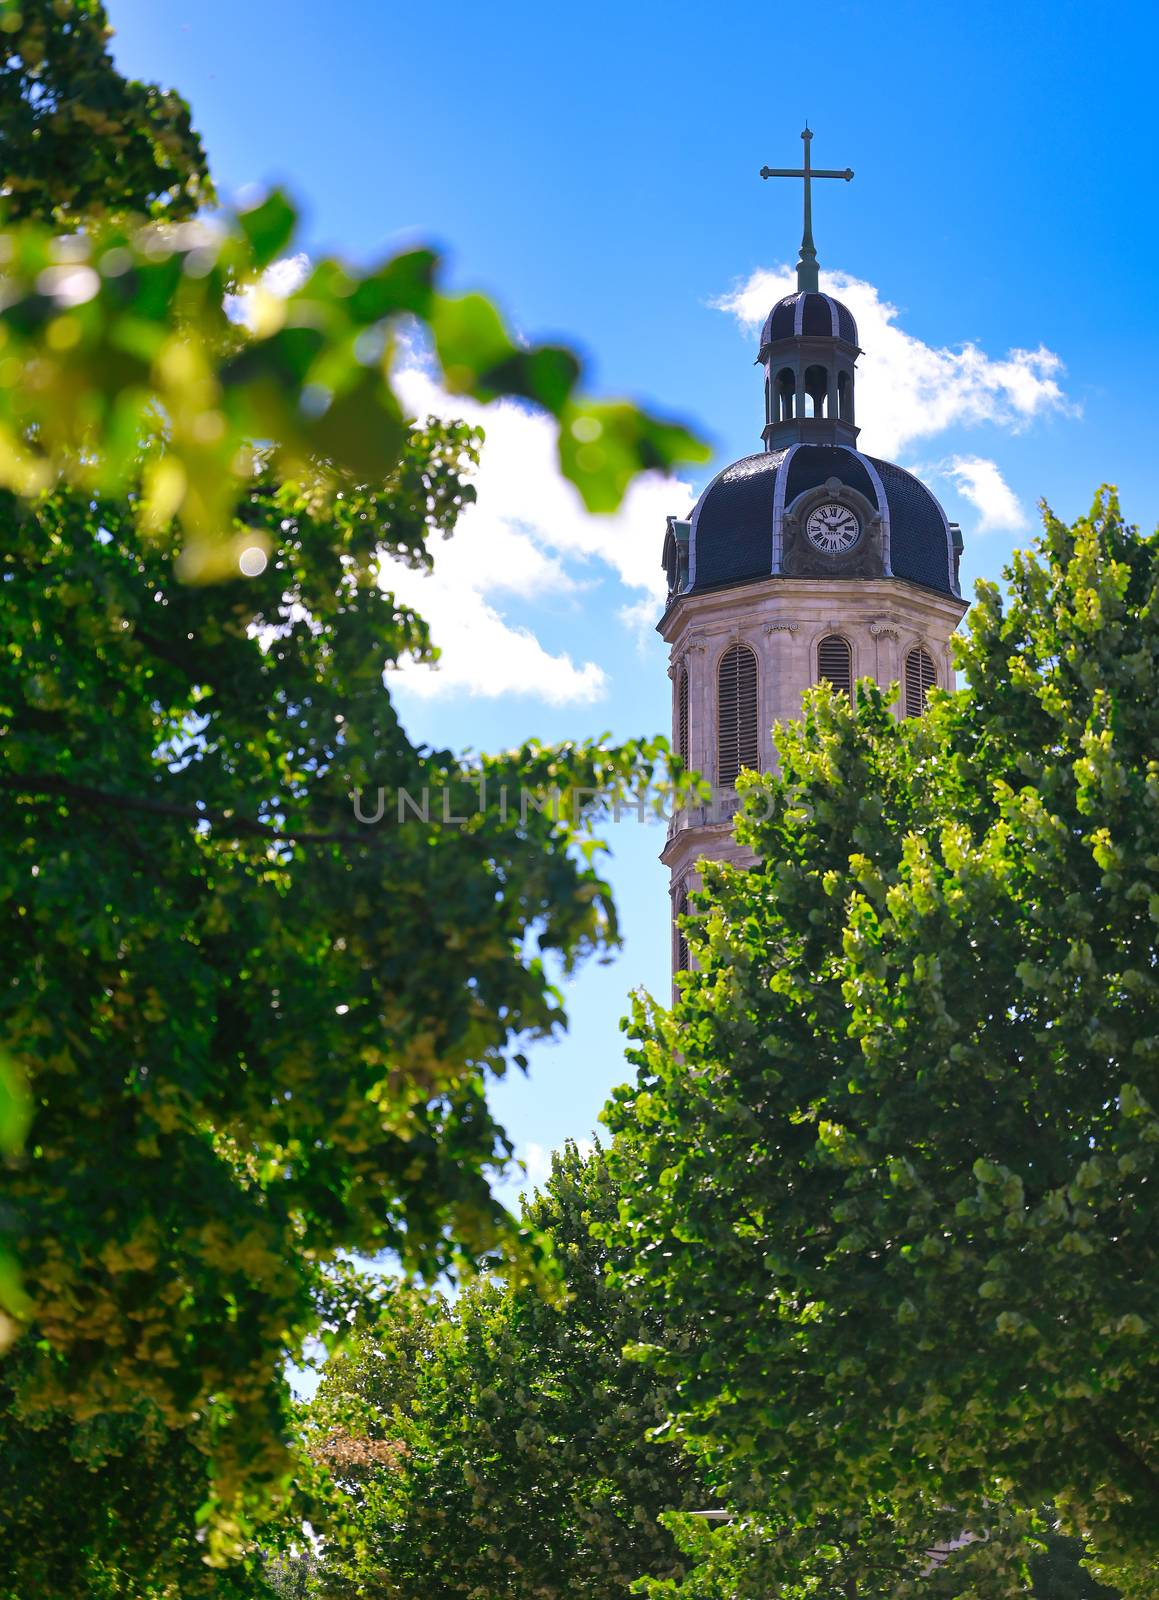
807 561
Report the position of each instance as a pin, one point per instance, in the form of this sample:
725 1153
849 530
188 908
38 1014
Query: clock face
832 528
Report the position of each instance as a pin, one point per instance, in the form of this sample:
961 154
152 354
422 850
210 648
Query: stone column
887 637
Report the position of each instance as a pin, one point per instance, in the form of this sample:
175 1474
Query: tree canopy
246 1031
894 1144
503 1450
504 1446
77 140
256 1030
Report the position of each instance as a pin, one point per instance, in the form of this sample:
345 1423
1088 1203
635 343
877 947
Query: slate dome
736 532
808 315
811 506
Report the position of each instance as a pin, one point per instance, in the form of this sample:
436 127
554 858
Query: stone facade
783 620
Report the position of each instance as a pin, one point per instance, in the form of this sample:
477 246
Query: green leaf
470 339
15 1106
603 445
268 227
547 375
405 283
362 429
13 1297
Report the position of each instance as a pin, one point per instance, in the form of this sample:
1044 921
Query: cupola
811 505
808 352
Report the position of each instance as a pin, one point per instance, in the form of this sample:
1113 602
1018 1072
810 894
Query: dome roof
737 524
811 316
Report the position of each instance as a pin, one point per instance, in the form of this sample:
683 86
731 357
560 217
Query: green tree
503 1446
245 1031
895 1140
500 1446
1058 1571
104 1509
256 1031
870 1556
77 140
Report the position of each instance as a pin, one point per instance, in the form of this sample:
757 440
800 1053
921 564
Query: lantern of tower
807 561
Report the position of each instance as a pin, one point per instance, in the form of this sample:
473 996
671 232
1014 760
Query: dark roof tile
732 536
738 534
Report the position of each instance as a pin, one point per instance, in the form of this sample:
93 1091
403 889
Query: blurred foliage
125 341
163 344
246 1032
895 1143
119 346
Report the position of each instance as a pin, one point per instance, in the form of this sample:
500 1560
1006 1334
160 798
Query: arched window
681 729
679 937
835 663
736 726
786 388
816 389
769 400
844 397
920 678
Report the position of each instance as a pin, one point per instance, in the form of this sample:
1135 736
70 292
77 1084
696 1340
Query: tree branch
1134 1462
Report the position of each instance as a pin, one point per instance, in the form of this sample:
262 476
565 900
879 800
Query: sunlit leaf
15 1106
268 227
603 445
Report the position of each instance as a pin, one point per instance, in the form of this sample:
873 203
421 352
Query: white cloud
279 279
483 653
528 538
907 389
981 483
521 540
537 1160
284 276
639 616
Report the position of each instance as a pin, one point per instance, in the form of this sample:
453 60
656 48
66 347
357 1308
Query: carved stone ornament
884 629
799 556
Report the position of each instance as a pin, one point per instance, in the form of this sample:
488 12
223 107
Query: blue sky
595 168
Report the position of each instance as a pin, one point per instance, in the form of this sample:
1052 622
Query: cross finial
807 266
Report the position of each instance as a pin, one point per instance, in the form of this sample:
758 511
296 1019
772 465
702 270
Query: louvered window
737 742
682 714
679 937
835 663
920 678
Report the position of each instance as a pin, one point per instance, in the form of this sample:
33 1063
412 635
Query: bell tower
807 561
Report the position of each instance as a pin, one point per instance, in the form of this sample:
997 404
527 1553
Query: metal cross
807 265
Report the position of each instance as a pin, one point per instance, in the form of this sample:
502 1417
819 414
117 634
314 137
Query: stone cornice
860 602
